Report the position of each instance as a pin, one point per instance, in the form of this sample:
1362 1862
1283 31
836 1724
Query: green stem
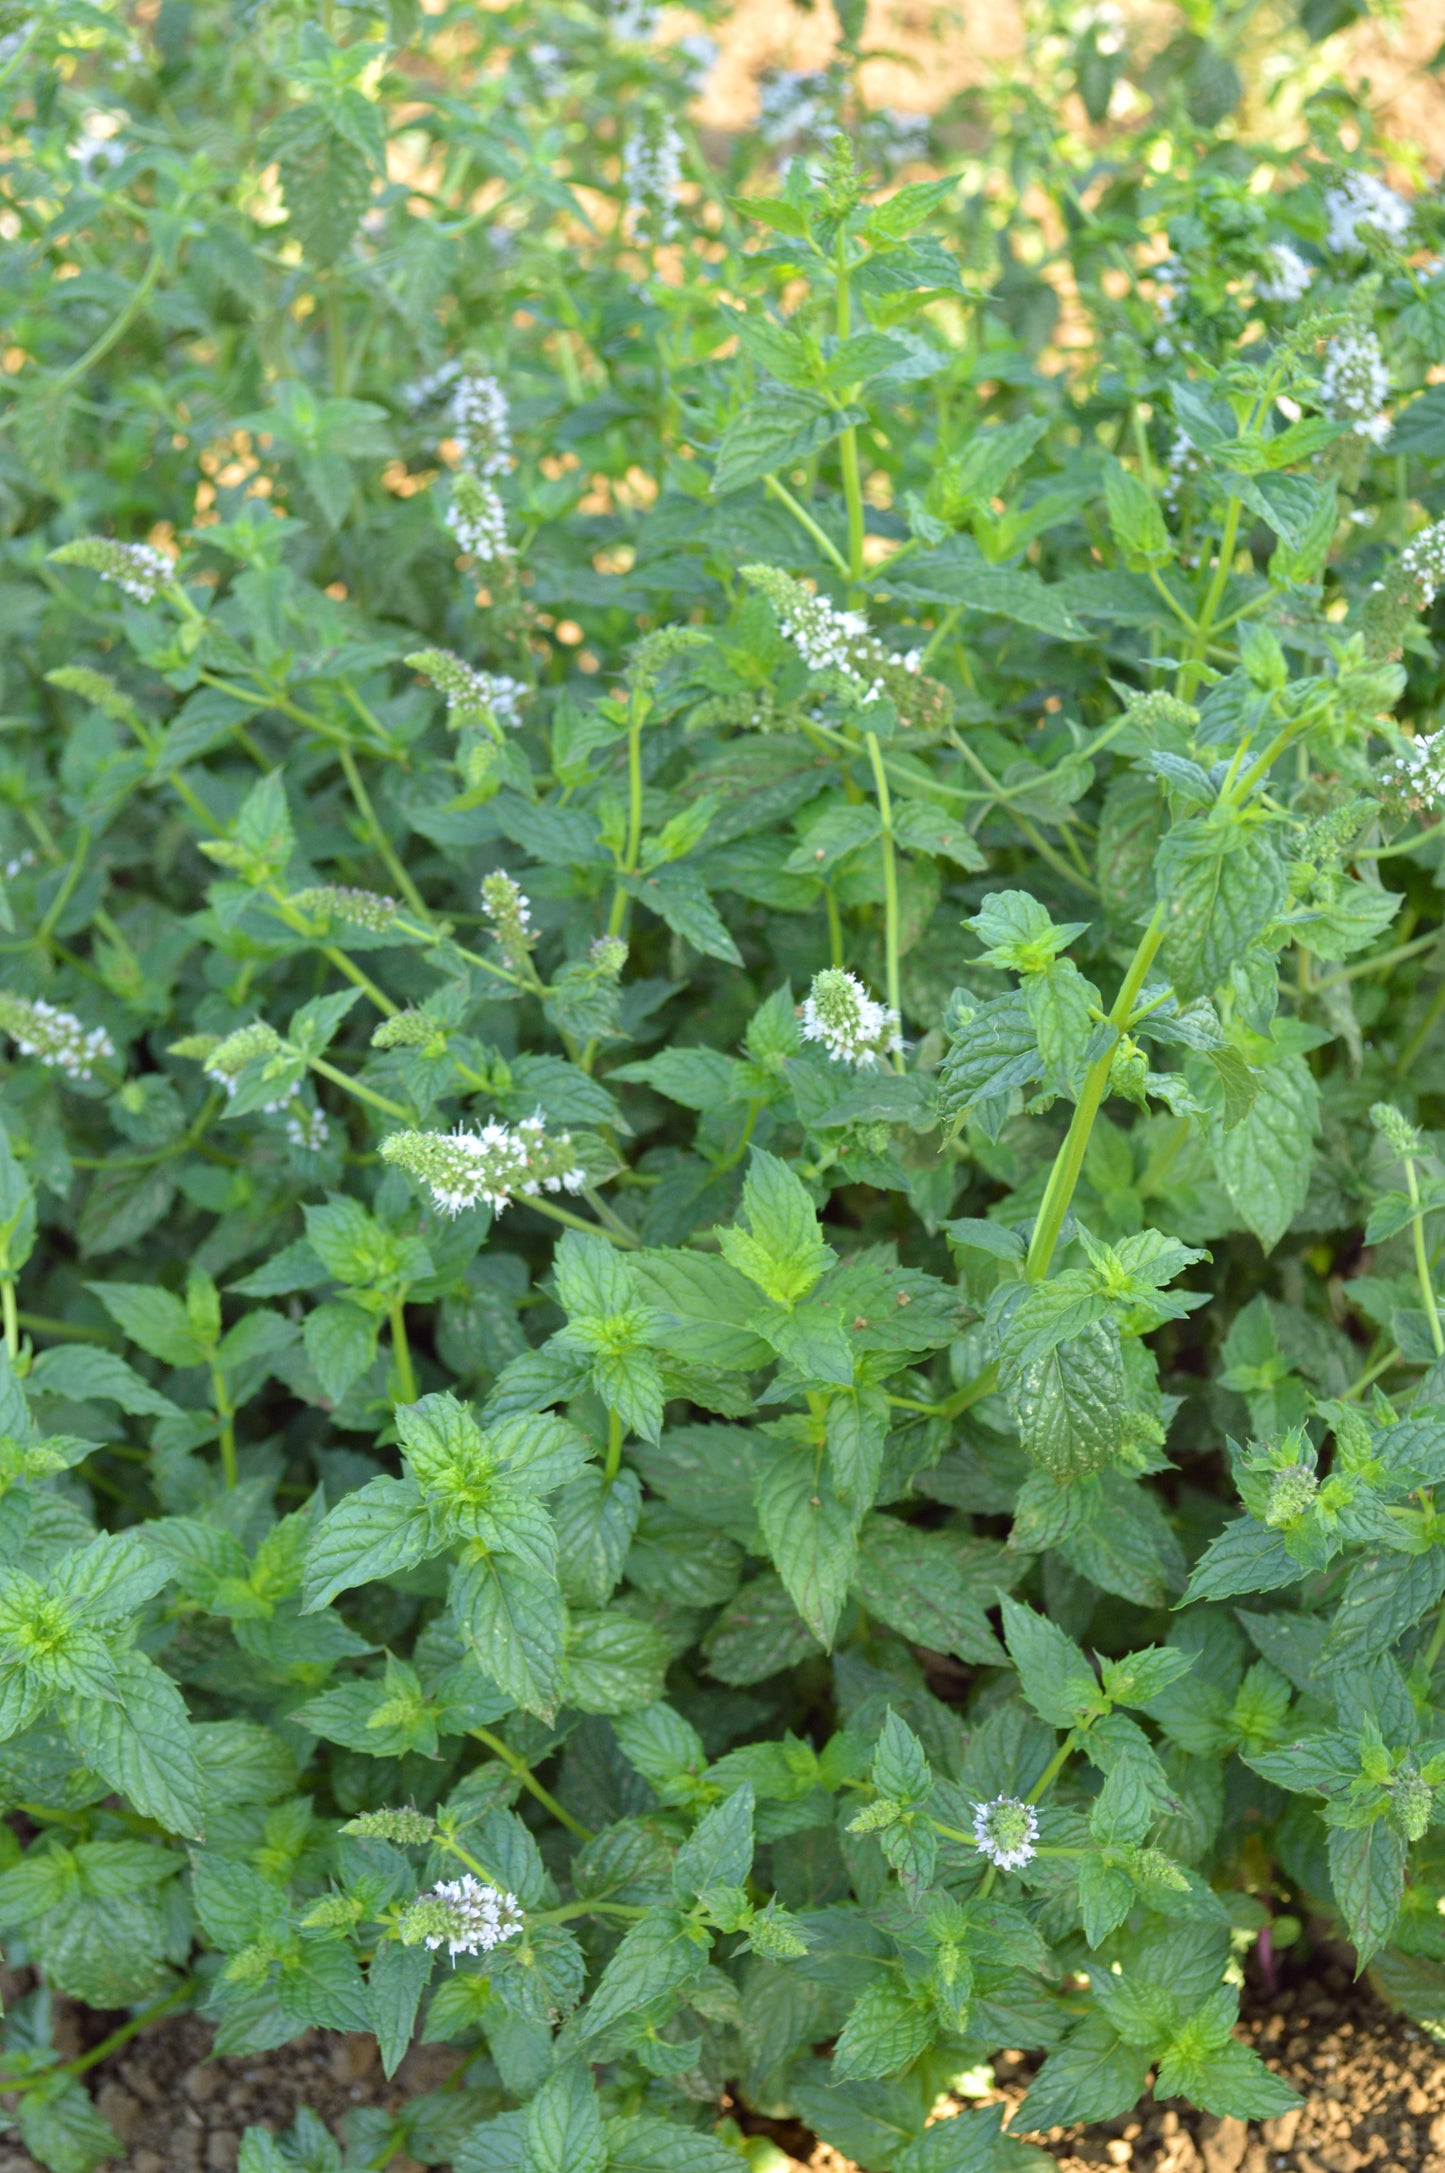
363 1093
1372 1373
620 1236
1422 1259
225 1412
1069 1161
1035 836
628 1909
12 1317
42 1324
115 330
401 1350
972 1392
614 1448
890 883
1380 960
1436 1644
67 884
530 1782
1194 663
805 520
335 334
1422 1033
836 954
377 837
1052 1770
118 2037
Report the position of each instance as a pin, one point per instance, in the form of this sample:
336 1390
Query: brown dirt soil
178 2111
1374 2086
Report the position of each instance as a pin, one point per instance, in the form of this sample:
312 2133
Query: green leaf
970 2141
774 211
1264 1160
657 1956
140 1742
907 208
1061 1006
1135 520
776 433
1095 2076
1054 1676
512 1615
614 1663
1245 1557
1106 1895
84 1370
1069 1405
340 1342
395 1982
719 1851
154 1319
810 1536
1367 1874
382 1528
783 1251
1222 884
886 2029
564 2124
645 2145
60 2126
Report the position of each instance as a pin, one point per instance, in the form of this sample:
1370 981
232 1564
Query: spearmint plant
720 1212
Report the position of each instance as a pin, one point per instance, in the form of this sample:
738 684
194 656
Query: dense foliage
722 971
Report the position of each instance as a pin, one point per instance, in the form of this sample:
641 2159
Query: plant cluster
719 1363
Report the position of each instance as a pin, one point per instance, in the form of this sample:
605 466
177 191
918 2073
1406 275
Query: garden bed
1373 2085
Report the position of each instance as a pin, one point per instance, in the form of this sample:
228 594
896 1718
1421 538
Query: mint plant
719 1206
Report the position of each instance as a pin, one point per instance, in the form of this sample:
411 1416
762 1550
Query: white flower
57 1038
1363 201
98 146
1171 287
138 568
830 640
1417 776
422 391
229 1058
469 692
1422 562
480 417
488 1167
853 1026
463 1915
634 20
509 915
652 171
1289 275
1355 384
306 1128
701 54
1184 463
478 519
792 104
1006 1831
